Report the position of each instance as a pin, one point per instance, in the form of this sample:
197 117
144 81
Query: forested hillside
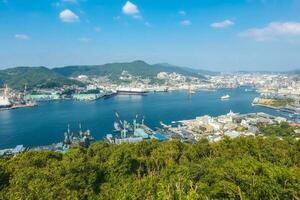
136 68
243 168
40 77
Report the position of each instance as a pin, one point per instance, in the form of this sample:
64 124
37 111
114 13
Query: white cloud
97 29
147 24
182 12
130 9
70 1
68 16
20 36
185 23
223 24
84 39
138 17
273 30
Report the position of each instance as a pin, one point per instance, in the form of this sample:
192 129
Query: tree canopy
241 168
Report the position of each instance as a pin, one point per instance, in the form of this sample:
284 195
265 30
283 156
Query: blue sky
222 35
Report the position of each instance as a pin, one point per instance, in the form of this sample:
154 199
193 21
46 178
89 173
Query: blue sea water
46 123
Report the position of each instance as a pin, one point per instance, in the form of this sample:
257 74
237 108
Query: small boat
225 97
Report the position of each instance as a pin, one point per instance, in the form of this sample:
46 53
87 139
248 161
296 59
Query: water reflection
126 97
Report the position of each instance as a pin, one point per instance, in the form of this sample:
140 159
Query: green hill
41 77
114 70
243 168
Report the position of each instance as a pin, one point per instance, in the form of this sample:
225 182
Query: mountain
43 77
114 70
34 77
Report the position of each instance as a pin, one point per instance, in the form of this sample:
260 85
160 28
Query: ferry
225 97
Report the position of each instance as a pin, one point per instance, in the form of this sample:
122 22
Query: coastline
18 106
167 107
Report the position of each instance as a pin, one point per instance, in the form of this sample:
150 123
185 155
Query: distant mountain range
47 78
294 72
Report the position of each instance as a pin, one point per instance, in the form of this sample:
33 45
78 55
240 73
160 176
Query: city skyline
219 36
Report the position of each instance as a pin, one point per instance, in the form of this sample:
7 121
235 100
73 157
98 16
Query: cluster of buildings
265 83
13 151
163 82
88 93
10 99
274 89
215 128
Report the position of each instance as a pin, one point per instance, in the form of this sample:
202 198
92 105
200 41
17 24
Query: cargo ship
129 90
4 101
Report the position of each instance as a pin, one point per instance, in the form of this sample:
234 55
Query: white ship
225 97
4 101
129 90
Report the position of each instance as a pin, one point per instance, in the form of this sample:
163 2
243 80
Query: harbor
213 129
46 123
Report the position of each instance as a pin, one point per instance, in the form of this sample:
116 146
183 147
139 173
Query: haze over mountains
44 77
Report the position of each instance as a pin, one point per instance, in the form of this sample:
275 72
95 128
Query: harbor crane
119 123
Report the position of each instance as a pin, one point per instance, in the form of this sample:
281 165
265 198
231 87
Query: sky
218 35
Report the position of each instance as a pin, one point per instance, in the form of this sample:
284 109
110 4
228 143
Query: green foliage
280 130
242 168
4 175
39 77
